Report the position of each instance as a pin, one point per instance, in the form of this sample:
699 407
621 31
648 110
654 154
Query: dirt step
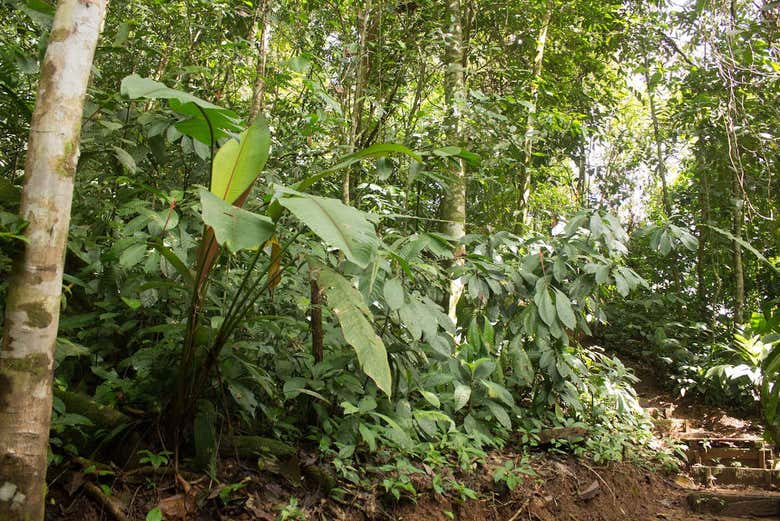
749 477
713 456
713 441
734 504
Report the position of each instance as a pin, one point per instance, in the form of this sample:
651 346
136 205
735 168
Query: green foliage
192 251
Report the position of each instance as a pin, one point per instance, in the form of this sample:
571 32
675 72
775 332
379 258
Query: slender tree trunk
361 77
582 181
701 254
660 165
524 183
261 40
317 334
728 71
739 274
33 303
453 205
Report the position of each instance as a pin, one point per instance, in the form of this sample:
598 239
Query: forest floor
563 487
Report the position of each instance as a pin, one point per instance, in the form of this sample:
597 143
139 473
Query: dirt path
724 443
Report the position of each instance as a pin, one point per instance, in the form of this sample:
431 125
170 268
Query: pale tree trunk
660 166
453 205
739 273
728 71
701 254
524 183
356 113
33 302
260 38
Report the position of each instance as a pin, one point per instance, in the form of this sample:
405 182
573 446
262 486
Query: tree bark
701 254
453 205
33 303
361 77
660 166
739 273
524 183
261 40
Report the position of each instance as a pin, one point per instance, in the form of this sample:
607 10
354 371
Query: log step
737 505
751 477
714 456
706 441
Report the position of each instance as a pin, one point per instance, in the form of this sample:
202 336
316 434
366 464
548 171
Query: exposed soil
696 418
562 489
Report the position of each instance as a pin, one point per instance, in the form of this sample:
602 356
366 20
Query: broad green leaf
135 87
154 514
339 225
132 255
125 159
564 308
244 397
521 364
174 261
235 229
238 163
205 118
461 395
368 436
431 398
621 283
411 321
482 368
132 303
500 414
499 391
352 313
544 304
394 294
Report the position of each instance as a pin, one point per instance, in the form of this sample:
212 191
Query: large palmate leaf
204 118
353 316
239 162
235 228
339 225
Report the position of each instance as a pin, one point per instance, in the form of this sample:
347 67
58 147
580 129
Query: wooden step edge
736 505
745 476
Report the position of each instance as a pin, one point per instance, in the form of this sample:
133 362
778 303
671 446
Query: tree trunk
582 180
453 205
701 254
361 77
33 303
660 166
261 40
739 274
317 334
524 183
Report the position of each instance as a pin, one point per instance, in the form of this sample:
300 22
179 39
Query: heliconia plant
235 168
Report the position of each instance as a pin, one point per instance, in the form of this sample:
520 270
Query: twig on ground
95 493
614 497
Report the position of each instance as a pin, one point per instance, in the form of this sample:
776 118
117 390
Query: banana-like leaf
238 163
353 316
339 225
206 120
235 228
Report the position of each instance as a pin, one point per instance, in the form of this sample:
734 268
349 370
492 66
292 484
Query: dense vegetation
402 231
